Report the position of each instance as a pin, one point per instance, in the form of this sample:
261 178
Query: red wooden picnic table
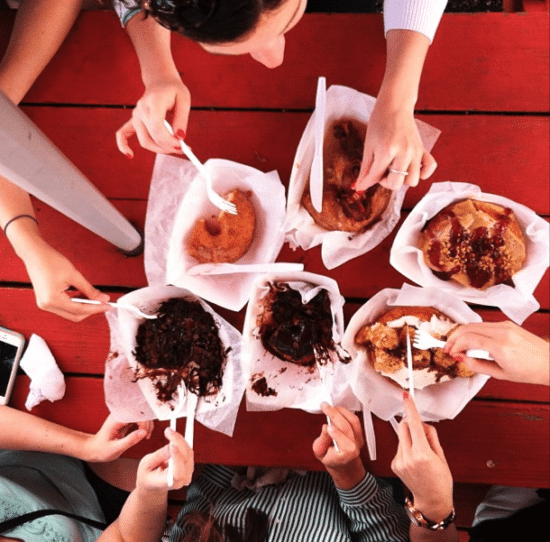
485 86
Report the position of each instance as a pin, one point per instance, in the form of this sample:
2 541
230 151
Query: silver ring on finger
398 171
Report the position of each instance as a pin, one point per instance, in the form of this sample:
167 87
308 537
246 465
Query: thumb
156 459
131 439
481 366
180 119
82 285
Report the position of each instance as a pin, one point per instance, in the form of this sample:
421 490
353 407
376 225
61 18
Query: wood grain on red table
486 443
505 155
478 62
489 98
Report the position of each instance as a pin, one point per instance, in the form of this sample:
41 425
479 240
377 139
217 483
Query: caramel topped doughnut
227 237
474 243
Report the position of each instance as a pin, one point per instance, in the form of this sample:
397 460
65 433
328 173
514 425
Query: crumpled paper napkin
47 380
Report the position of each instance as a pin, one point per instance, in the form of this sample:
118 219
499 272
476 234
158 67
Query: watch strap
418 518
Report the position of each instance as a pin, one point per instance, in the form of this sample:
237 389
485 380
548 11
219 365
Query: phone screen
8 352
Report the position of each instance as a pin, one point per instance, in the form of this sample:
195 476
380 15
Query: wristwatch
418 518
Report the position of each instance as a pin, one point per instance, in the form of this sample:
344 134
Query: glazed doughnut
474 243
344 209
227 237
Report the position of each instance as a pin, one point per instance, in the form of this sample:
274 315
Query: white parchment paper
296 386
301 231
376 393
516 302
178 199
131 401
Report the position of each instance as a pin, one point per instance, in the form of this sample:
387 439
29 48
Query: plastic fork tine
424 341
213 196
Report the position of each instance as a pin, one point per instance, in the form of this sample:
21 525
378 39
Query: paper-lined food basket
301 231
131 400
516 302
295 386
178 200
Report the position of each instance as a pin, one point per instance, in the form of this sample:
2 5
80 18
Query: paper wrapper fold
516 302
296 386
301 231
178 199
437 402
132 401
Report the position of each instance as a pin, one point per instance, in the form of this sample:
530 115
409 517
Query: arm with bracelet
421 465
51 273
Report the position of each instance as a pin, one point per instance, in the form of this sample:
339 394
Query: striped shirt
305 508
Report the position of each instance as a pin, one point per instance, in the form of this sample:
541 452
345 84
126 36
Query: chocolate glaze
183 343
293 329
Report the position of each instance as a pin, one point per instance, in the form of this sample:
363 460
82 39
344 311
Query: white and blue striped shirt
305 508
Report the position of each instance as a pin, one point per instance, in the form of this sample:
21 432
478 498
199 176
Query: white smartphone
11 348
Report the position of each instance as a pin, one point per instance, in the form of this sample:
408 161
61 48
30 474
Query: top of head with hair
210 21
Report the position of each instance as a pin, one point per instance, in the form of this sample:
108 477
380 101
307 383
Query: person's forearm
142 518
152 44
23 233
39 435
349 476
406 52
40 28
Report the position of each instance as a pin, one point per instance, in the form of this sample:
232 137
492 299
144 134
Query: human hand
421 465
393 141
51 274
344 466
148 117
519 356
113 439
152 470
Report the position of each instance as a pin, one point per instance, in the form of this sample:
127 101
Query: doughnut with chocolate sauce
183 343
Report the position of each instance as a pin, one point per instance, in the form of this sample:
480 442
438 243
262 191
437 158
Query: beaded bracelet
15 218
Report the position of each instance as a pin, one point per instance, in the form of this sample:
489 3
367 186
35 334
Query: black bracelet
15 218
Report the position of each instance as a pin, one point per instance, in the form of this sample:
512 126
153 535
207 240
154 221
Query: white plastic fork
326 389
213 196
132 308
423 341
192 400
182 392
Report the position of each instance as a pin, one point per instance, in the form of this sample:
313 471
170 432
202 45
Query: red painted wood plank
103 265
485 444
98 260
481 61
504 155
83 348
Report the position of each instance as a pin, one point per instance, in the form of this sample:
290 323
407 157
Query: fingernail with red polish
128 155
405 395
180 134
459 358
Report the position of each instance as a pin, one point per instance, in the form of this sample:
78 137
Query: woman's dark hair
210 21
204 528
